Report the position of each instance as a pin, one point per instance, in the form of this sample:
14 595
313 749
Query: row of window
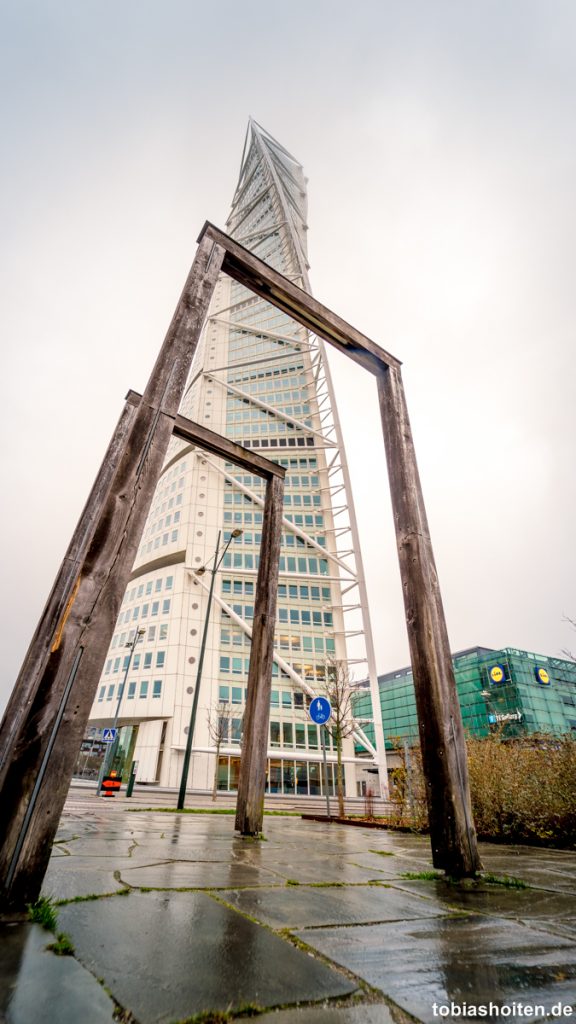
142 611
299 644
163 522
312 566
300 464
142 693
266 426
113 664
244 415
277 371
289 481
293 591
280 442
166 538
304 617
288 700
120 639
156 585
297 616
239 666
301 778
250 518
290 540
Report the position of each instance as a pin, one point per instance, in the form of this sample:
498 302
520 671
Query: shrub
522 789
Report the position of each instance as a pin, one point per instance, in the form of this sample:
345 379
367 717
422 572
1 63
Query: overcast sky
439 141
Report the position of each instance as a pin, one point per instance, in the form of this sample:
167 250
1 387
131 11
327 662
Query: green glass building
517 692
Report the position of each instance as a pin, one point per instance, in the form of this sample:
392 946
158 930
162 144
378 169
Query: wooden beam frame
45 720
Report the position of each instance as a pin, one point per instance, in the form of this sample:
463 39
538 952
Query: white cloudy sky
439 141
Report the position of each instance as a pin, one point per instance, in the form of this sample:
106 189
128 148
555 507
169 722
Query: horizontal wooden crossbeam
216 444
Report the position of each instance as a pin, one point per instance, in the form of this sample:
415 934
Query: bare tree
219 720
565 650
339 693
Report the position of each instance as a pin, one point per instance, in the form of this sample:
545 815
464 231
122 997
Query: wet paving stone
542 868
194 875
302 906
553 911
320 869
68 877
191 955
468 960
37 987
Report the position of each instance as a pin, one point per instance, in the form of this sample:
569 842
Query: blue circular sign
320 710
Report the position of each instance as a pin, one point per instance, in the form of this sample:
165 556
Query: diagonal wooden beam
258 277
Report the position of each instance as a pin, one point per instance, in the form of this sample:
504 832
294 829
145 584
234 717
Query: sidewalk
173 916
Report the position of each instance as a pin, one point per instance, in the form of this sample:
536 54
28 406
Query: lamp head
237 533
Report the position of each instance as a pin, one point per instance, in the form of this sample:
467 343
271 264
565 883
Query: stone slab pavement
174 918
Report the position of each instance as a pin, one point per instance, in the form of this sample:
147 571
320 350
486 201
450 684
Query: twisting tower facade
262 380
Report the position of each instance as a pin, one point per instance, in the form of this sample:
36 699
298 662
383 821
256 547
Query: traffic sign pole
320 712
323 742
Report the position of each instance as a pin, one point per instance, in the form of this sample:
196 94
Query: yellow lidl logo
542 676
497 674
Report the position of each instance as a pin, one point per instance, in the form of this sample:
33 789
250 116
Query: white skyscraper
262 380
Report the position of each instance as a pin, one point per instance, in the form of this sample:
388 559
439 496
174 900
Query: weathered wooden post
43 742
454 846
252 781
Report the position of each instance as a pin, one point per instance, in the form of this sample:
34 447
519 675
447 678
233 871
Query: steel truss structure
271 193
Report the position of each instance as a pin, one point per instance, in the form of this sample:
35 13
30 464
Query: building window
144 688
102 692
157 688
131 690
160 659
110 692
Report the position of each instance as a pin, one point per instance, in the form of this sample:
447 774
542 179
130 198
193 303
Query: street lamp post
199 572
111 750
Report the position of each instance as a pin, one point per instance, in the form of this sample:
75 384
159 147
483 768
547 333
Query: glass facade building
512 691
259 378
